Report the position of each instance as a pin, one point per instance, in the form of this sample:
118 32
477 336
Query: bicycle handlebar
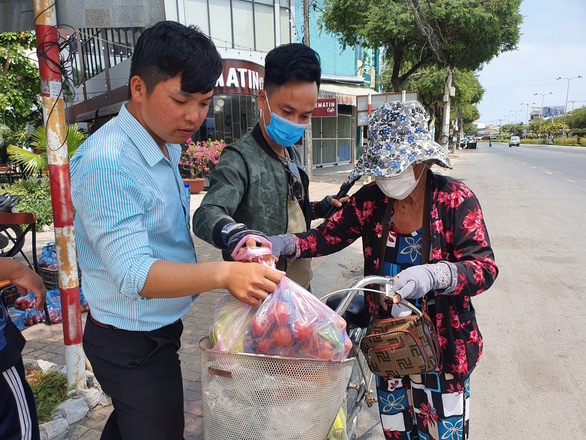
388 282
389 292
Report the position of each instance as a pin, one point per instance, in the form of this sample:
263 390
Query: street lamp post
566 106
542 96
527 113
515 119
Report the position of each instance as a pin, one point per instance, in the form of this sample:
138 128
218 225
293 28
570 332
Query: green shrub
50 390
35 196
565 141
532 136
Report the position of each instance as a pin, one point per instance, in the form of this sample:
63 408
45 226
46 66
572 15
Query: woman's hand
414 282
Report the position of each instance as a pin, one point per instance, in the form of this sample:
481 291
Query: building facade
243 31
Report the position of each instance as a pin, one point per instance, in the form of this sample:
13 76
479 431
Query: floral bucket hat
397 138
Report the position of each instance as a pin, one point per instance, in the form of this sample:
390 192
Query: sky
552 44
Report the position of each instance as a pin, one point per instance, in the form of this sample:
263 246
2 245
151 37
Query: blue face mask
282 131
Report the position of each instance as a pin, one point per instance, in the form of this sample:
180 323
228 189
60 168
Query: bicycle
257 389
11 235
362 380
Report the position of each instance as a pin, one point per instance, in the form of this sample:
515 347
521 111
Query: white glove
414 282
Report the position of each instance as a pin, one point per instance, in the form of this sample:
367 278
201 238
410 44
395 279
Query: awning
344 93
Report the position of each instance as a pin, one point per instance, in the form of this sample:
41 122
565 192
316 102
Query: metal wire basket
260 397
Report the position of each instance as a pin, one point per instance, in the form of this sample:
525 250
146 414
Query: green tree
34 162
20 100
511 128
430 86
468 32
577 118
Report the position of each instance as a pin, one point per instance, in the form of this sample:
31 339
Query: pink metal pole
56 134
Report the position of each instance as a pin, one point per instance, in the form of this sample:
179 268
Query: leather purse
401 346
409 344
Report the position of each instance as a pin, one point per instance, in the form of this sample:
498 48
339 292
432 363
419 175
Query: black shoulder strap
426 226
386 226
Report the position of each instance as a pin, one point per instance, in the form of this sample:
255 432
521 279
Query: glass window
285 26
265 2
316 152
220 18
316 127
329 127
243 25
196 12
228 136
265 27
344 126
171 9
285 3
329 154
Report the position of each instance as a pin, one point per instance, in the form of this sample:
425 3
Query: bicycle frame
364 387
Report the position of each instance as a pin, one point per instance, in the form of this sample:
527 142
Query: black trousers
18 414
141 372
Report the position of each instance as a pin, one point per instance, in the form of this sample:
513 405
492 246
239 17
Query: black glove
232 233
320 208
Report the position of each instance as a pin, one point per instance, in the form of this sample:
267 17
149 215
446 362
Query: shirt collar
144 142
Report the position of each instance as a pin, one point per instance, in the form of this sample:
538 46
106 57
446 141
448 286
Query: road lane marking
548 172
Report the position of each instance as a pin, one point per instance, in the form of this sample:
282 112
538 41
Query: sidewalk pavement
330 273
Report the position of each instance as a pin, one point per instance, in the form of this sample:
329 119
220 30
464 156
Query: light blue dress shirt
132 209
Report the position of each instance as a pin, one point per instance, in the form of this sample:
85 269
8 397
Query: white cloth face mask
399 187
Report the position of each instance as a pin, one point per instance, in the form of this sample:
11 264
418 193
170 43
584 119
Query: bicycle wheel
359 386
9 235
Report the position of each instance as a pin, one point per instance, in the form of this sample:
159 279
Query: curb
73 410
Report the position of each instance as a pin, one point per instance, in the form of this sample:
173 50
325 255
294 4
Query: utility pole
59 179
308 130
527 115
566 106
542 109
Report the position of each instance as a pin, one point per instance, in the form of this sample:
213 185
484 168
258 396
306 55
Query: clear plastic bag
290 322
231 319
294 323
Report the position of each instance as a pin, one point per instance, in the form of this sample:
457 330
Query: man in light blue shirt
132 229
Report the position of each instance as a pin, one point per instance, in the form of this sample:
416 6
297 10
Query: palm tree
34 162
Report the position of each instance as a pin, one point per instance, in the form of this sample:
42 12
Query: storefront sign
240 77
325 108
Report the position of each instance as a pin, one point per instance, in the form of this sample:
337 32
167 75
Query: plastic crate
9 295
51 277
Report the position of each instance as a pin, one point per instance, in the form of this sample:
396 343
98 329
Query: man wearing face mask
258 186
427 231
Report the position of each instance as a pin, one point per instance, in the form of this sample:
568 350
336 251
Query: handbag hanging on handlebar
409 344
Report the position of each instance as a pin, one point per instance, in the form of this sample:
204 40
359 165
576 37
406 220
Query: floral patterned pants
425 407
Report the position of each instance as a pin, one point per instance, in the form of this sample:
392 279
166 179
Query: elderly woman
438 248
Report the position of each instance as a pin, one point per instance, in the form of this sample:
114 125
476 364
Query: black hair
291 62
168 49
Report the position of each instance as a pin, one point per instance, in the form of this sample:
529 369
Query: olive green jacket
249 185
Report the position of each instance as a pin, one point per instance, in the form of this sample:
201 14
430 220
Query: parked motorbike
9 234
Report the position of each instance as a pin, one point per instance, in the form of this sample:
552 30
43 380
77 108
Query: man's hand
250 283
234 232
24 279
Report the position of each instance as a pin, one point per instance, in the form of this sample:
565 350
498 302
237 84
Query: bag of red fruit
294 323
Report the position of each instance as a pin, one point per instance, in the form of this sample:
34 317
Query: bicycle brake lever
390 289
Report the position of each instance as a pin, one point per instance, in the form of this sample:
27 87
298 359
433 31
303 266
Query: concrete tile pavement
46 342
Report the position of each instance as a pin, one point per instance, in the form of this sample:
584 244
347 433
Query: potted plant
198 159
